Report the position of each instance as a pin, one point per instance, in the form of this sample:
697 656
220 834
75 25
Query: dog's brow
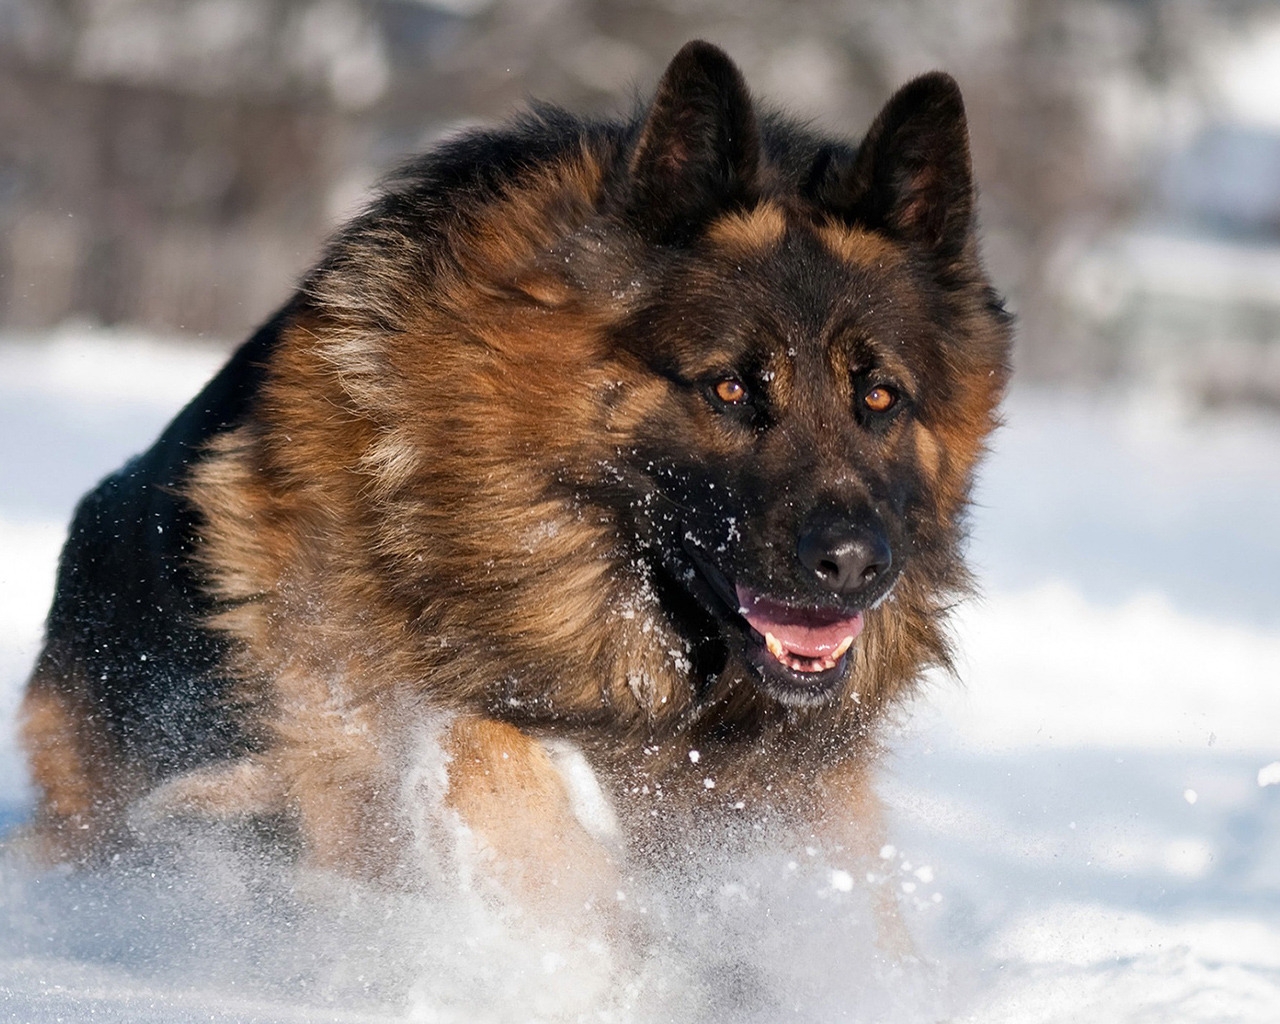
748 233
867 353
717 360
856 247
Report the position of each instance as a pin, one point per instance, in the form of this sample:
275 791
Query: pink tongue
809 633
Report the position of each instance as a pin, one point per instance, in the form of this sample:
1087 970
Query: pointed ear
698 150
912 177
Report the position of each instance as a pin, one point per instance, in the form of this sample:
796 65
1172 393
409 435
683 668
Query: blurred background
174 164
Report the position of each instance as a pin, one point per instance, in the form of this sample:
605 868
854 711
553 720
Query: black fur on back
127 614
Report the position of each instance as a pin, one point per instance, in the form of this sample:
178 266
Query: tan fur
751 232
82 781
928 451
860 248
849 823
505 788
246 787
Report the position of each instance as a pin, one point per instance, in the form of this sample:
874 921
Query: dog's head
809 375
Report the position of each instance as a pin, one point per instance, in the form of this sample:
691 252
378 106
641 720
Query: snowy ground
1087 829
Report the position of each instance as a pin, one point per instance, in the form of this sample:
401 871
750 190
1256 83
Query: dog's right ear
912 176
699 149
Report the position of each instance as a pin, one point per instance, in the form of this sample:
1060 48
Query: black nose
846 556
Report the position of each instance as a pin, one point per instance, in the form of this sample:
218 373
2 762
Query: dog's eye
730 391
880 399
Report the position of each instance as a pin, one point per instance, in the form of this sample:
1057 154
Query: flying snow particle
1190 796
1269 775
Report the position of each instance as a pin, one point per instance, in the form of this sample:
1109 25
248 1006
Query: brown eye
879 399
730 391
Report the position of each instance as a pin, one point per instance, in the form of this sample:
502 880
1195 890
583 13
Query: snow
1085 826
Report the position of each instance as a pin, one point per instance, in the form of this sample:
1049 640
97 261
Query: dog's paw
227 792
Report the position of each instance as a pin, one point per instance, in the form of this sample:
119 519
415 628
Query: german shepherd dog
622 463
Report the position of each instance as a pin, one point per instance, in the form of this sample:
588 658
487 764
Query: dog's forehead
762 230
797 287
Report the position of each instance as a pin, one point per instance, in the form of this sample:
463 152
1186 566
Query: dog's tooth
845 644
775 646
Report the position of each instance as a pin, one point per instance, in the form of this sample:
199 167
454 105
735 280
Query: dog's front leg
505 787
847 819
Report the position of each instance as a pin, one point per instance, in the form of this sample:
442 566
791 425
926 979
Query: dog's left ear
699 149
912 177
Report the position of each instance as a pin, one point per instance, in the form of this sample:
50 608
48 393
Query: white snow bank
28 553
1048 667
1085 962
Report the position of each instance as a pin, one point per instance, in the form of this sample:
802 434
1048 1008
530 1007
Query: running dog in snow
638 445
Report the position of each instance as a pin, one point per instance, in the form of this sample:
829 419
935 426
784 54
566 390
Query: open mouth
802 653
807 641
